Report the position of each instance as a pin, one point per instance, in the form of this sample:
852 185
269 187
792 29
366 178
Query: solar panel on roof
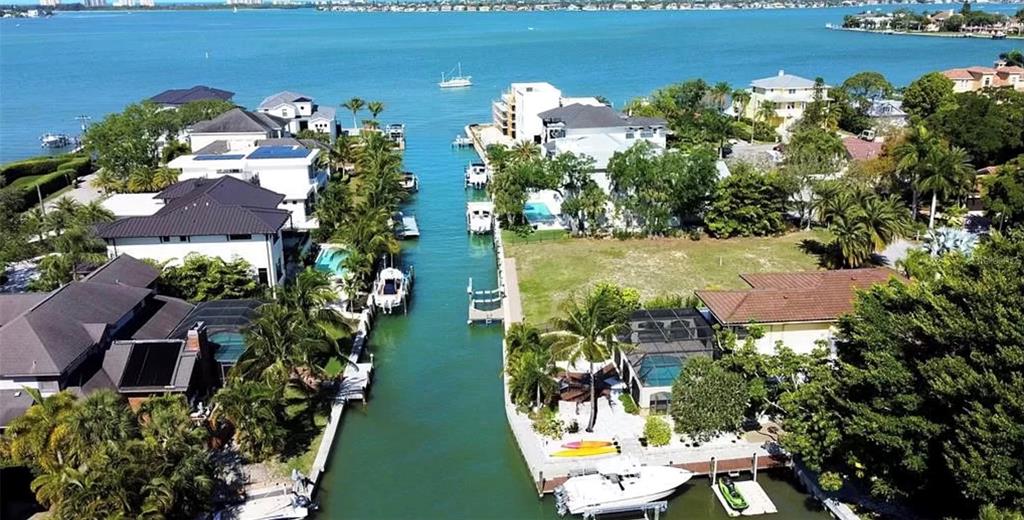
218 157
151 364
279 152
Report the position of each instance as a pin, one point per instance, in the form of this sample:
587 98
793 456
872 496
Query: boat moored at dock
391 289
410 182
618 484
477 175
462 141
479 217
57 141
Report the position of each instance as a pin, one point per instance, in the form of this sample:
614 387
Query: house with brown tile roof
798 309
972 79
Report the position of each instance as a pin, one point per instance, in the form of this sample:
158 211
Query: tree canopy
708 399
749 202
928 94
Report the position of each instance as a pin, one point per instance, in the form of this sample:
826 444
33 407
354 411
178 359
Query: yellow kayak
575 445
586 452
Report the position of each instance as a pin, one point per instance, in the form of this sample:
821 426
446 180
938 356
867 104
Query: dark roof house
578 115
238 120
223 206
179 96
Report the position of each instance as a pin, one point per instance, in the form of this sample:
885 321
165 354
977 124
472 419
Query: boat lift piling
758 501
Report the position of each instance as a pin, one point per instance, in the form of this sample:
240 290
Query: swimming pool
538 213
230 346
329 261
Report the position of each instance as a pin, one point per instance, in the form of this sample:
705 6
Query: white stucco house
798 309
238 128
222 217
285 166
301 113
787 94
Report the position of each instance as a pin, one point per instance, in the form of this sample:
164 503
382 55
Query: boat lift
485 306
758 502
648 509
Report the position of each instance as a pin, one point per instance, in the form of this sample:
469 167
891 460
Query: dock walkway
758 502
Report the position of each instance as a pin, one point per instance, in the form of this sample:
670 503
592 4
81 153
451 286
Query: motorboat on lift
479 217
476 175
620 484
410 182
391 289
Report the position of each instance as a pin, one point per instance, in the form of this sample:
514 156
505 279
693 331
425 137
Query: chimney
196 337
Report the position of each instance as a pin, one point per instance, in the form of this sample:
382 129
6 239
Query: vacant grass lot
551 267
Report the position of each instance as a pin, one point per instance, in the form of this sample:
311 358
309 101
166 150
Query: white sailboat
618 484
456 80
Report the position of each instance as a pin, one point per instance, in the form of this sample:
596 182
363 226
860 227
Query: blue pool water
230 346
329 261
538 213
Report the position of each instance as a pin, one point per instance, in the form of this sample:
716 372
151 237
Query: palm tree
92 213
164 177
62 214
911 156
852 239
720 94
282 345
103 417
948 171
765 113
340 156
36 223
142 180
40 438
587 332
250 407
531 376
375 108
310 296
740 99
78 245
885 219
354 105
524 150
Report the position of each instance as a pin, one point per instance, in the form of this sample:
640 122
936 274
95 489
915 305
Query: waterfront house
237 127
798 309
787 94
223 217
659 344
597 131
286 166
176 97
108 330
301 113
973 79
516 114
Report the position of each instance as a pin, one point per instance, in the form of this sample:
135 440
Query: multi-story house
788 95
237 127
225 217
972 79
301 113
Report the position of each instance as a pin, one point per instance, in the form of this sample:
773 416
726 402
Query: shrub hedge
50 174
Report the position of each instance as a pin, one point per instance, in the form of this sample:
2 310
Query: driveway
85 193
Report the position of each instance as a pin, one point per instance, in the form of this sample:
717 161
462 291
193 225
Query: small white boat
391 289
410 182
476 175
396 133
455 80
57 140
618 484
462 141
480 217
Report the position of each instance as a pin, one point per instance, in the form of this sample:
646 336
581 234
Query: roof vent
782 72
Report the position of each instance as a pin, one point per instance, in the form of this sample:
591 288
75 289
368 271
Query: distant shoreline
890 32
481 6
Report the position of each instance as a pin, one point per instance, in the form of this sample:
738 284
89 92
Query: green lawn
302 461
550 268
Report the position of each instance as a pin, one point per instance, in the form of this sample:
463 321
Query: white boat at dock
391 289
407 227
396 133
57 141
618 484
480 217
462 141
477 176
410 182
455 80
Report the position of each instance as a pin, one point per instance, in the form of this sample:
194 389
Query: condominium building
972 79
49 3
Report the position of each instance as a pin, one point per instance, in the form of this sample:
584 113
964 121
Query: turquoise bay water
433 442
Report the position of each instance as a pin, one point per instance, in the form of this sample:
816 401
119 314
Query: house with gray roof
106 330
238 128
223 217
301 112
176 97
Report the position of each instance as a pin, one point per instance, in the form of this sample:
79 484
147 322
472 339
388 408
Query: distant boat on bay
456 80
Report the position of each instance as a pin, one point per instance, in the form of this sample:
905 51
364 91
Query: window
262 275
630 135
239 237
164 240
660 403
792 91
183 239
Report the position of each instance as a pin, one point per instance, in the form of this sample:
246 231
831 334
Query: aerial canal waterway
433 441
